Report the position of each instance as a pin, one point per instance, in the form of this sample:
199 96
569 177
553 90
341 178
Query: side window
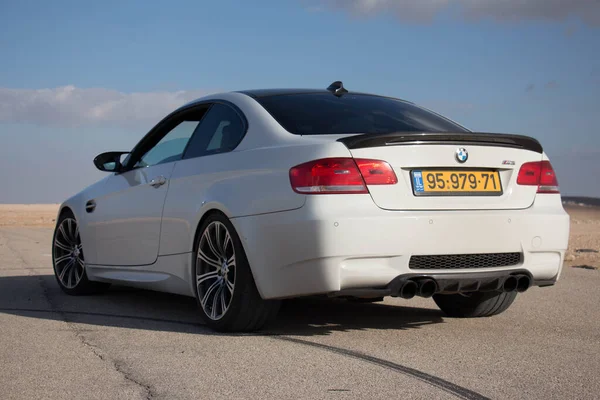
220 131
170 148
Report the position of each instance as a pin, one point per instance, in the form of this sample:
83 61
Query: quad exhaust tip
523 283
519 283
510 284
423 288
427 288
408 290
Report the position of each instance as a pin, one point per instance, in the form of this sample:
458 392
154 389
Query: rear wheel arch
245 310
198 232
204 217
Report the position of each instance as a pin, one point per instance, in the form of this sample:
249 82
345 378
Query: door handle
90 206
158 181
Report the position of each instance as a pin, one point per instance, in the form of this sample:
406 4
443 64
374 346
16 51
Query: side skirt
170 274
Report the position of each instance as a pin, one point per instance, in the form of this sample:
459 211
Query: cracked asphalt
134 344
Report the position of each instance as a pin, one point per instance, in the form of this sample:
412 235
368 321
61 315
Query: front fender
76 204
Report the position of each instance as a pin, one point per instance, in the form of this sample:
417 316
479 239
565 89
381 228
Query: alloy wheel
215 270
69 263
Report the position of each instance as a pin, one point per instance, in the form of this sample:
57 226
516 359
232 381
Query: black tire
245 310
78 284
474 305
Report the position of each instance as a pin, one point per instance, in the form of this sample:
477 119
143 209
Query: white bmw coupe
245 198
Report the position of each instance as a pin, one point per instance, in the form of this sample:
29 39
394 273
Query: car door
208 161
126 219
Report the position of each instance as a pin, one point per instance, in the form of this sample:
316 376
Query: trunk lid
432 153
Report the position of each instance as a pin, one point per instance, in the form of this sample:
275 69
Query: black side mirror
109 161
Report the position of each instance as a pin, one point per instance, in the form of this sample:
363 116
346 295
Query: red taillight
340 176
529 174
540 174
376 172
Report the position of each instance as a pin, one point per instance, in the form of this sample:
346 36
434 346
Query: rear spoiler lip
425 138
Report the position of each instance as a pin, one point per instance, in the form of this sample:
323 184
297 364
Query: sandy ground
134 344
28 214
584 242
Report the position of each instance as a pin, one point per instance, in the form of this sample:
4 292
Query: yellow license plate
456 182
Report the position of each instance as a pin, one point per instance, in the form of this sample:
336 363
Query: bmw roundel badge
462 155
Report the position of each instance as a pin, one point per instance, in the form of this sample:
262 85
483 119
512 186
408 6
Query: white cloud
502 10
72 106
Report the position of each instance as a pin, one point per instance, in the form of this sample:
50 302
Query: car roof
258 93
261 93
279 92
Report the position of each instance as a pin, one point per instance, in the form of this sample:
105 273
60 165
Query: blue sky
78 78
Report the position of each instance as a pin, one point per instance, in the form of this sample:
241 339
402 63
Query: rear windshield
326 114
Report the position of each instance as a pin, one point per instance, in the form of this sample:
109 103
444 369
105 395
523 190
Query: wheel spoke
211 245
61 245
69 275
75 274
207 294
70 229
68 266
61 229
213 311
62 258
208 260
223 305
82 265
229 286
218 239
207 276
81 262
226 242
231 261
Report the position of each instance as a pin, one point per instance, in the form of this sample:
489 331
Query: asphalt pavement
132 344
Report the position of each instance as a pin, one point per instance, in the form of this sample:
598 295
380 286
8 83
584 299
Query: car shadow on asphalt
39 297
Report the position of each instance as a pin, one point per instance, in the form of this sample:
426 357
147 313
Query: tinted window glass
170 147
221 130
316 113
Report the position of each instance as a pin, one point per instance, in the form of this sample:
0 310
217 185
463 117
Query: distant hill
581 201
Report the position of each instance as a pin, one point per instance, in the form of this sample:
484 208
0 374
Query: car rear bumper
341 242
